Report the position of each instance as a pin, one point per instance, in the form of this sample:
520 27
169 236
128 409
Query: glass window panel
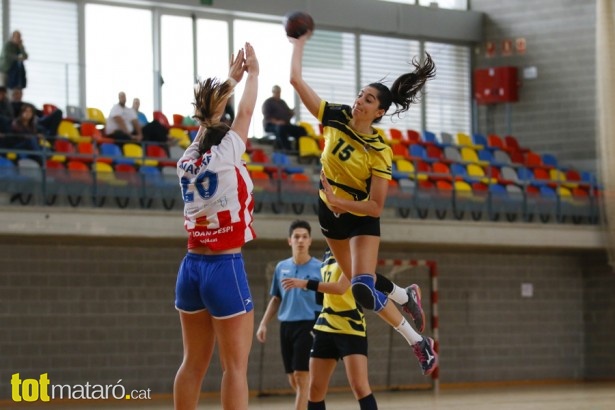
329 67
118 59
448 95
177 67
385 59
50 36
273 50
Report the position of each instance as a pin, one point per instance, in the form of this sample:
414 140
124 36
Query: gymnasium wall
97 306
556 110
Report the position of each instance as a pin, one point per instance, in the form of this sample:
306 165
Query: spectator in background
122 122
6 110
276 119
229 112
11 62
47 124
141 117
25 135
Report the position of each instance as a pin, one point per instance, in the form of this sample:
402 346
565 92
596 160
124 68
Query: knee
366 295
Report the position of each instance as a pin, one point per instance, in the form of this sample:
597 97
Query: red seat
511 144
49 108
494 141
162 119
400 151
532 160
87 151
441 172
396 134
413 137
158 152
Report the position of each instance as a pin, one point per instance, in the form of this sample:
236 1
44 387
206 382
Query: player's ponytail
406 89
209 96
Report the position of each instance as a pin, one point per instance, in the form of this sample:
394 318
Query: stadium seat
464 140
181 136
485 156
479 141
158 152
396 136
446 138
400 151
469 155
417 152
89 129
532 160
62 149
549 161
452 154
110 153
95 115
440 171
309 129
309 151
434 153
477 173
74 113
411 137
49 108
136 153
501 157
429 137
87 151
162 119
68 130
495 142
511 144
283 161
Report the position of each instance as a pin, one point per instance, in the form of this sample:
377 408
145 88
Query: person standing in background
297 310
12 70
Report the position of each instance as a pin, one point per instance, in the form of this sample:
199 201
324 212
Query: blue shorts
217 283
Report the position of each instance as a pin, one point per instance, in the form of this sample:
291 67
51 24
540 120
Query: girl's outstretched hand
236 64
251 64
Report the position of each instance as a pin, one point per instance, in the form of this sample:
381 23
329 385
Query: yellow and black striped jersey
340 313
349 158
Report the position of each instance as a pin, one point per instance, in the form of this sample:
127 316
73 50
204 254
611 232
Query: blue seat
430 137
479 139
114 152
485 155
549 160
282 160
417 151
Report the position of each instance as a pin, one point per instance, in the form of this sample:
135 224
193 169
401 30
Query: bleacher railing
28 179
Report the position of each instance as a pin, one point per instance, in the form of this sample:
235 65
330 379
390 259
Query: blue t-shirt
296 304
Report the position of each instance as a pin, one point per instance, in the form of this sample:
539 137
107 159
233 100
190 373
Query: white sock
398 295
411 336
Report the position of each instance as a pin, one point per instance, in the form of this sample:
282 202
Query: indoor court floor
563 396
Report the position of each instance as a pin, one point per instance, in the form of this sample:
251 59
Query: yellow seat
469 154
309 129
95 115
464 139
179 134
104 173
68 130
135 151
308 148
407 167
249 165
477 172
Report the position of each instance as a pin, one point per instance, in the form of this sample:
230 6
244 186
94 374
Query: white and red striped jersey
217 192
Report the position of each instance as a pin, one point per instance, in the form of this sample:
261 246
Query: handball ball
297 23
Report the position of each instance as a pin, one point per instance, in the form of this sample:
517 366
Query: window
448 95
273 51
384 59
50 36
177 65
118 48
329 67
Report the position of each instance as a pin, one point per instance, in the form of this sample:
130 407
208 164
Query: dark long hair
406 89
208 97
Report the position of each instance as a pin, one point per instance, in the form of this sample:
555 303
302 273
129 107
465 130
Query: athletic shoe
414 308
428 358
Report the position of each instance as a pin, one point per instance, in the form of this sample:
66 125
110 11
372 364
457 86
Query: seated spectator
276 119
6 111
141 117
47 124
24 133
122 122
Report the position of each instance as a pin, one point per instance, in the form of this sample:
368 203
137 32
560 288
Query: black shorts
346 225
337 346
296 340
